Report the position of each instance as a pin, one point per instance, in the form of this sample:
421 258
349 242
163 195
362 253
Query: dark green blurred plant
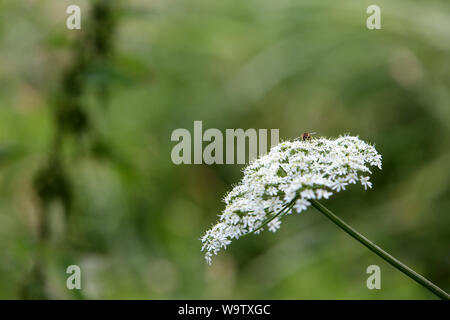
92 51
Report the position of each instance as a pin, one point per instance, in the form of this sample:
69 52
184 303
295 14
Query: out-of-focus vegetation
85 124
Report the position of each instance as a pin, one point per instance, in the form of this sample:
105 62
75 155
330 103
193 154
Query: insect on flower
285 180
307 136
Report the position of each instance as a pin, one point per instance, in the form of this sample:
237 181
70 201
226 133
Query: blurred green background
86 117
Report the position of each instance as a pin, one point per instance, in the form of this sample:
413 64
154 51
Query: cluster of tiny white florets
292 173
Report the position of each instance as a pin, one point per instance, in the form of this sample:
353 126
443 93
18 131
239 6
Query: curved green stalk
380 252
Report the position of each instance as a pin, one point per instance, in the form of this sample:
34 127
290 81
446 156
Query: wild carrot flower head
283 181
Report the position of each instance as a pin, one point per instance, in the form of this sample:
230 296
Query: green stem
283 210
380 252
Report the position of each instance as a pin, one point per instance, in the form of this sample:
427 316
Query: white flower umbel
283 181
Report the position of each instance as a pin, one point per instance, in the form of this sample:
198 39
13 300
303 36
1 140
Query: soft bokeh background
85 124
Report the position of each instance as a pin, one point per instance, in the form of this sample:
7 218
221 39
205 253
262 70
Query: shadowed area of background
86 118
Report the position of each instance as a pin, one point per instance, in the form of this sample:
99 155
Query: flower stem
283 210
380 252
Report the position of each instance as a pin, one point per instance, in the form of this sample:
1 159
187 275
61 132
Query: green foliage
106 99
